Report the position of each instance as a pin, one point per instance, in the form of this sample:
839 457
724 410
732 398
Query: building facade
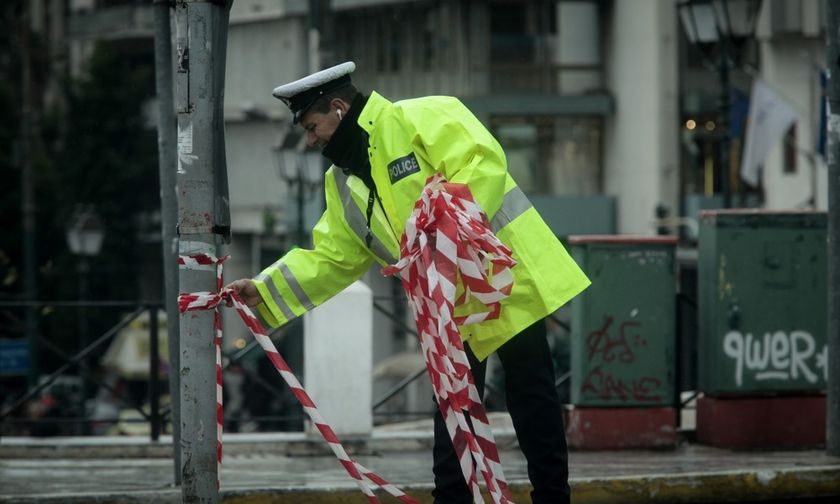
591 99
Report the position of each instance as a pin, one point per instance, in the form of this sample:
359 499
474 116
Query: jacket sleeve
457 145
303 279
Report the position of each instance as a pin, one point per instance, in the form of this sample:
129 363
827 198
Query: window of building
519 139
388 41
556 156
510 37
545 46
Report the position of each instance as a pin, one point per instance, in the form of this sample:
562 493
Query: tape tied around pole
212 301
447 239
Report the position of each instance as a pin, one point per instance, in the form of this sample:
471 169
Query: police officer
382 155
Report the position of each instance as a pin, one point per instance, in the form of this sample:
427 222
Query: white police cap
302 93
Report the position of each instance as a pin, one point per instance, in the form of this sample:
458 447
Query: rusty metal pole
203 223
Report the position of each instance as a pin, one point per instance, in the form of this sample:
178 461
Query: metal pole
725 104
84 269
154 374
833 93
27 201
203 221
167 159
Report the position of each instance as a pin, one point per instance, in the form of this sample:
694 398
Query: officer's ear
338 104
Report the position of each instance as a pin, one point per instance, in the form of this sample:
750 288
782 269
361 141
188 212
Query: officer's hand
247 290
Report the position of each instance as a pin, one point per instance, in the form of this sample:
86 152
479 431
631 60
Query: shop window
553 155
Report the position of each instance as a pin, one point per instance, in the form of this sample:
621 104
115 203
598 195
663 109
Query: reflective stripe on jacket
409 141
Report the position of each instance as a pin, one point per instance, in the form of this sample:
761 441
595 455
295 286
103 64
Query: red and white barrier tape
205 261
447 237
211 301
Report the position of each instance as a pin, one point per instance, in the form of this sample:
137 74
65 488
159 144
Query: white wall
253 175
641 138
788 67
262 55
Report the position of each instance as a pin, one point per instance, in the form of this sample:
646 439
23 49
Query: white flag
769 119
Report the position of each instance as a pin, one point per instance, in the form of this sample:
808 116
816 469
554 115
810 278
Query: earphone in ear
338 111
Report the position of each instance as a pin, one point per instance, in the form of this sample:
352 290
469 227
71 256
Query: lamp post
84 237
723 25
302 170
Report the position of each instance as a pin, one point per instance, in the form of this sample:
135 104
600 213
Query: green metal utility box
762 295
624 324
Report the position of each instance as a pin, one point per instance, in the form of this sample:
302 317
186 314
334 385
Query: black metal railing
155 415
79 362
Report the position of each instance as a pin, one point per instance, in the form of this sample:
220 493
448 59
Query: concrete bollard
338 358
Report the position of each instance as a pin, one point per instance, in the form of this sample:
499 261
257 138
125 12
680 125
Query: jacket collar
375 106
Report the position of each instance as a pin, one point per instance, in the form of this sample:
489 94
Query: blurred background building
608 114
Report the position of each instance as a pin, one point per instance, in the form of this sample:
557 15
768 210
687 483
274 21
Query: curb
724 486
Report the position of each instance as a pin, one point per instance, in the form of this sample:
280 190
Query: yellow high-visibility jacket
409 141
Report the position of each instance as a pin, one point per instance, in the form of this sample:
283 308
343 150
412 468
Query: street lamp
302 170
85 235
726 25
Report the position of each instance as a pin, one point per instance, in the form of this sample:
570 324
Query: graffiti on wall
613 373
785 356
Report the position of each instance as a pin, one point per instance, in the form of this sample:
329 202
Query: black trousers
535 409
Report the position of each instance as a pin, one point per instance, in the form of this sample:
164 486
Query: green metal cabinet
623 325
762 302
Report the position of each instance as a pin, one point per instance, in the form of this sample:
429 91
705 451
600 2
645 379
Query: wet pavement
297 468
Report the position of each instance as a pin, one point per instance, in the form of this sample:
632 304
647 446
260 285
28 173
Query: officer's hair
347 93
